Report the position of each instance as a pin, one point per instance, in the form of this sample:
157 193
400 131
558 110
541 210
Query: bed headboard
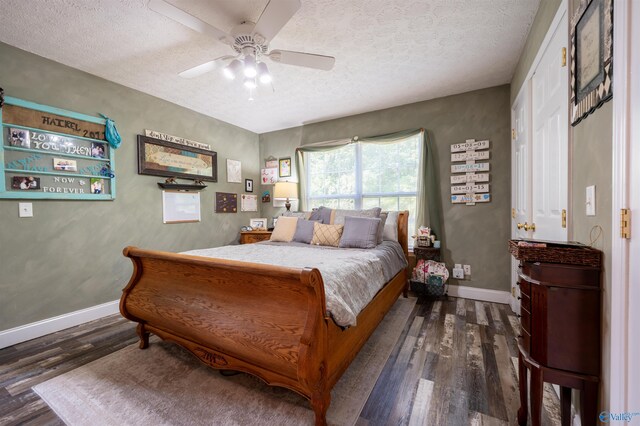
403 232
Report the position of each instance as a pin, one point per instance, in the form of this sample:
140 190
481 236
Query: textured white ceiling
388 52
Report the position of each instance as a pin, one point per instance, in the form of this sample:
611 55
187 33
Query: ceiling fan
250 41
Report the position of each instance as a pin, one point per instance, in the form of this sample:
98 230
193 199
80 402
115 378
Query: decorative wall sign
470 155
26 116
248 203
470 198
175 139
234 171
51 153
469 145
180 206
470 177
271 163
591 57
468 189
467 168
160 158
226 202
470 192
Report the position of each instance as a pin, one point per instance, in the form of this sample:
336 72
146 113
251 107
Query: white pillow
285 229
390 232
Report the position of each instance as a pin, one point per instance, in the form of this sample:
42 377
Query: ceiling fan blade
204 68
179 15
275 16
301 59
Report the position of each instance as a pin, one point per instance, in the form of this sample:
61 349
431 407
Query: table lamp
285 191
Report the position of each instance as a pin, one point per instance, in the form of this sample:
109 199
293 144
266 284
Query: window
365 175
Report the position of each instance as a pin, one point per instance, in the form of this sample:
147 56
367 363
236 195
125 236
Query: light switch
590 202
25 209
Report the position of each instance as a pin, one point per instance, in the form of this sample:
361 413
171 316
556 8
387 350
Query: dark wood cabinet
560 336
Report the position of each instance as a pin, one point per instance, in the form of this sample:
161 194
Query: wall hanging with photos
52 153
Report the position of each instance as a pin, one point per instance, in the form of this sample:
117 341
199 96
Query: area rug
166 385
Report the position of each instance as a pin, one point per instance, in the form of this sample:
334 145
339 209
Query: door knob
531 227
520 226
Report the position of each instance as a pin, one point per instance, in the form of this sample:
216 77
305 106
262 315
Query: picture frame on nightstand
258 223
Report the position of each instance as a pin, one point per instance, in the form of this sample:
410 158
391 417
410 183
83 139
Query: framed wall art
284 167
591 57
234 171
161 158
248 185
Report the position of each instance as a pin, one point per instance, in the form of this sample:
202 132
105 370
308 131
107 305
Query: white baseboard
26 332
483 294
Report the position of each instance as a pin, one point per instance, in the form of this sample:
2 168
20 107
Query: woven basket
575 254
423 241
433 287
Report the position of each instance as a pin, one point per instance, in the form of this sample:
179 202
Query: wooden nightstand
250 237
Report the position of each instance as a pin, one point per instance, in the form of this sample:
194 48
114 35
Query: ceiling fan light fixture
250 83
231 70
250 66
263 73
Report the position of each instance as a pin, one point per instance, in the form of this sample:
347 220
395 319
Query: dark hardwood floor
454 364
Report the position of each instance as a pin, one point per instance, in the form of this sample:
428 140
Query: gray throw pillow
383 221
322 215
304 231
360 232
340 214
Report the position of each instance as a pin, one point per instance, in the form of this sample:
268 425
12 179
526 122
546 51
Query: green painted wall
546 12
591 164
68 256
472 235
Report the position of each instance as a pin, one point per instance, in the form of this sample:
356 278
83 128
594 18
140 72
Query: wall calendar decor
52 153
467 188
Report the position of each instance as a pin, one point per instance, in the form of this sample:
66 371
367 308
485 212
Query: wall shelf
181 186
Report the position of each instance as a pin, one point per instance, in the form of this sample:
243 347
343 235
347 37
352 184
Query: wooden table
249 237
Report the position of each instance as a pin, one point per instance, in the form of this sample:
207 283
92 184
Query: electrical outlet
467 269
25 209
458 273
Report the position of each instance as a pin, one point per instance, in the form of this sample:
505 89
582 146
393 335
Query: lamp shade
285 190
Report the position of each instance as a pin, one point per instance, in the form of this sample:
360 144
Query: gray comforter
352 277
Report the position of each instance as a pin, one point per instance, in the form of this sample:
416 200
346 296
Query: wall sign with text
466 188
51 153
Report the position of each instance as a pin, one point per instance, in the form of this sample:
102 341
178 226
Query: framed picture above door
591 57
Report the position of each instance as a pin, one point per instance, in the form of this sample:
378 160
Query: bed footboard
265 320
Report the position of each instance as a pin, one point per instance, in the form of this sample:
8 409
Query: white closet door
520 179
521 165
550 140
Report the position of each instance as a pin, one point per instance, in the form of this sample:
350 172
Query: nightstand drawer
251 237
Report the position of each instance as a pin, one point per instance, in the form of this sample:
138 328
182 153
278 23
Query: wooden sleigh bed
265 320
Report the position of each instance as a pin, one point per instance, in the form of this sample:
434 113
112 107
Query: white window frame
359 195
